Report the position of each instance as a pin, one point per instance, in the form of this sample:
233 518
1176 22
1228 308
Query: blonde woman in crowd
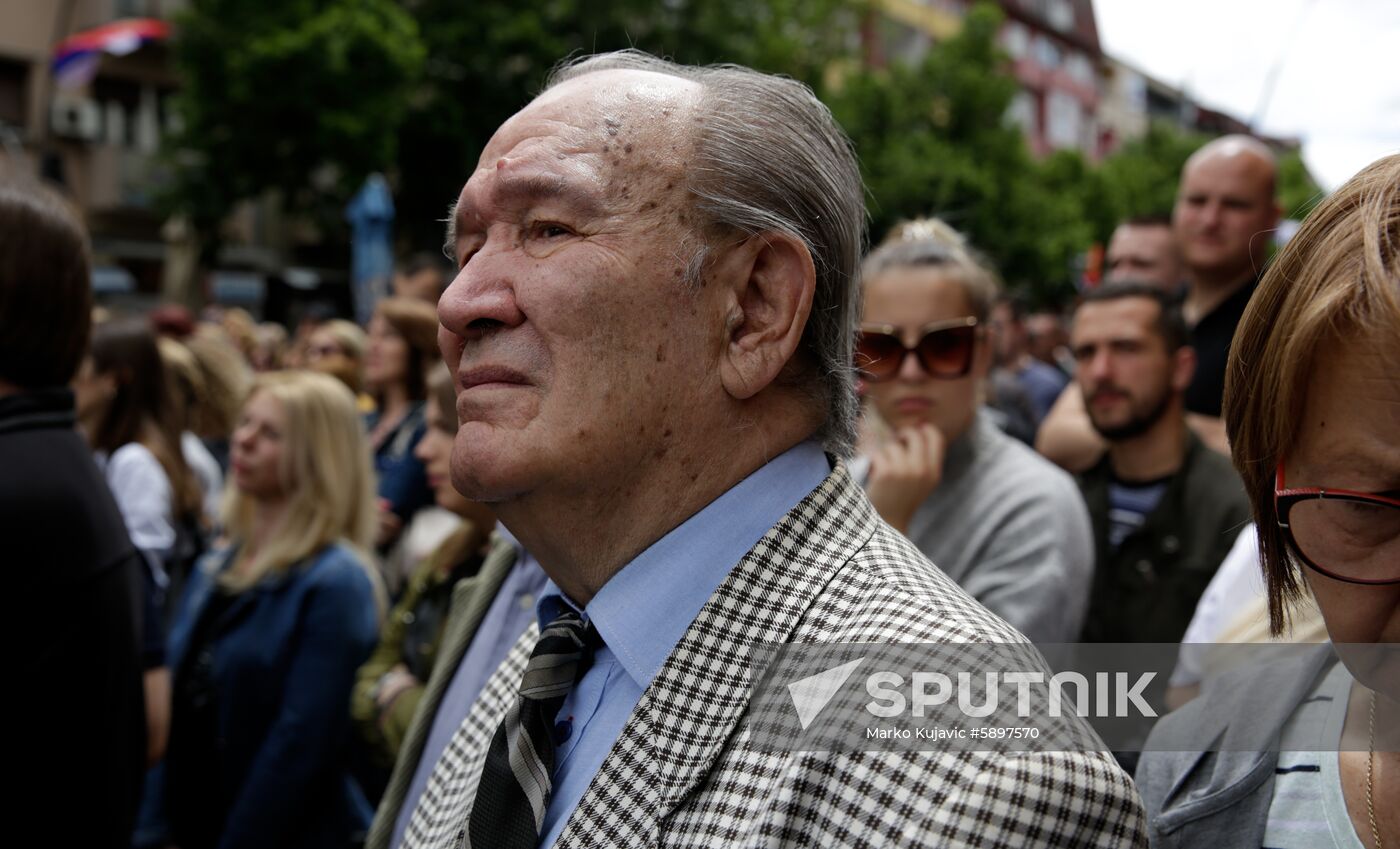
337 347
1000 520
186 388
227 379
270 346
266 641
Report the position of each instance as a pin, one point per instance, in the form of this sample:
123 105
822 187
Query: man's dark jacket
79 743
1146 591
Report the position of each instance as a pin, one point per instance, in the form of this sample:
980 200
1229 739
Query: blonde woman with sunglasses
1003 522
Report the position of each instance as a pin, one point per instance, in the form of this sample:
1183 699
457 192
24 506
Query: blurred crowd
287 498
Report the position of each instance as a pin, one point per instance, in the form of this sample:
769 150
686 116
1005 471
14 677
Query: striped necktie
517 778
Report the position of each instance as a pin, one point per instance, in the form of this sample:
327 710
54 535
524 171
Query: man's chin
486 488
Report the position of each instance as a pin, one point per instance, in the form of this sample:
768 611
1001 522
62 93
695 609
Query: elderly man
1223 222
652 331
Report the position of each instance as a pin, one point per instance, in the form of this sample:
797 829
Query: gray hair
769 158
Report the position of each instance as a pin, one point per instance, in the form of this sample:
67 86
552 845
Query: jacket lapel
683 720
471 598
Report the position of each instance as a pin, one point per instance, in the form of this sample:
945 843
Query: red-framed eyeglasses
1346 535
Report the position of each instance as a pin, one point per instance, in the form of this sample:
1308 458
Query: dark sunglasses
944 349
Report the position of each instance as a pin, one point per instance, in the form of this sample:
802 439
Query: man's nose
481 297
1210 214
1100 366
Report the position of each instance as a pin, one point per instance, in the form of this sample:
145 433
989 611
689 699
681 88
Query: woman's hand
393 682
905 471
389 524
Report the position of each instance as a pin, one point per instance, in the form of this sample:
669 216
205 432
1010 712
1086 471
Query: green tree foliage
303 97
485 60
1141 177
934 140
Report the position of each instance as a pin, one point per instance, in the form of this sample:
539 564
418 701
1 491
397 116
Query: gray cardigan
1011 529
1221 798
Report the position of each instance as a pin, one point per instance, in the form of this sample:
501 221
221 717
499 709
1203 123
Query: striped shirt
1308 810
1129 505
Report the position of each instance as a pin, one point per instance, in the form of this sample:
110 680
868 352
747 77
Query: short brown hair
416 321
1337 279
45 287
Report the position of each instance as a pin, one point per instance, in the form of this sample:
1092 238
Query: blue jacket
284 659
402 479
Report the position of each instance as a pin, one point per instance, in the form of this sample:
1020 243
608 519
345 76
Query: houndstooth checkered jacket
684 772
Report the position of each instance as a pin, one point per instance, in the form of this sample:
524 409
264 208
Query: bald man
1223 221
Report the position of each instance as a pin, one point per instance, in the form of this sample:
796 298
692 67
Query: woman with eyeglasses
1312 405
337 347
1007 525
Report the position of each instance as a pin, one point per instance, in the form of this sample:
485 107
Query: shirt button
563 730
1171 545
1144 568
527 601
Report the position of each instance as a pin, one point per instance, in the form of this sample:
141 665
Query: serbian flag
76 57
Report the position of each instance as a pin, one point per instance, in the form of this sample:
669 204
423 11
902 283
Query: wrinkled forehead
610 115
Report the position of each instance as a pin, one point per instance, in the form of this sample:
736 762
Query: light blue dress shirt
645 609
500 629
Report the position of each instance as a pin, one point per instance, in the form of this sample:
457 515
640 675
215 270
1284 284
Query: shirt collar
645 609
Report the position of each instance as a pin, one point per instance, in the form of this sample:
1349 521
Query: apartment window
1079 69
1015 39
1047 52
1021 112
1060 14
1063 120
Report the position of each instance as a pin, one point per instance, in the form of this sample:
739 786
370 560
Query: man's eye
550 230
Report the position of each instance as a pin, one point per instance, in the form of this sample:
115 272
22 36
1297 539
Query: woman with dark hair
1309 750
126 411
402 349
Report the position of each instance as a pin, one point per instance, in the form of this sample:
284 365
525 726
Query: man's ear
1183 367
770 281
